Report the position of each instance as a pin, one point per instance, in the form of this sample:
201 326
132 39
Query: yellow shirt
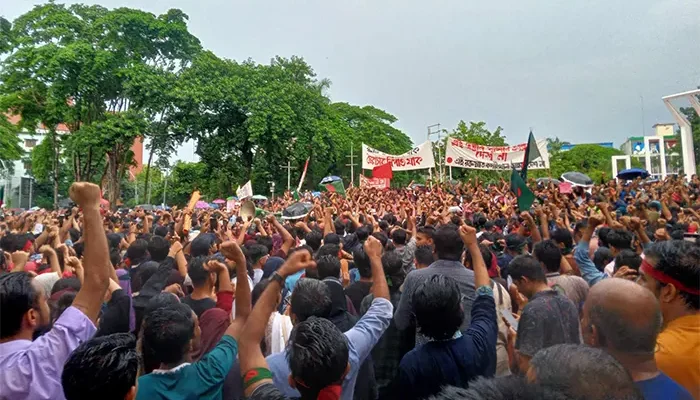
678 352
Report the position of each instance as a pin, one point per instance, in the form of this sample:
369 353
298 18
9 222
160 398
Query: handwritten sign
420 157
474 156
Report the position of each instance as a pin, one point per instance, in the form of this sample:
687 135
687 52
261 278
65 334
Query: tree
590 159
78 65
555 145
10 149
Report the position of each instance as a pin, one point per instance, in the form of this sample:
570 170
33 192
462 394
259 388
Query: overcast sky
572 69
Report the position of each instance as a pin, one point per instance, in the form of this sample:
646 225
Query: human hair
113 240
314 239
167 332
201 245
331 238
602 257
17 296
628 258
509 387
399 237
161 230
424 255
526 266
382 237
563 366
115 257
563 236
104 367
363 232
72 283
438 307
137 251
485 254
328 267
393 269
258 290
196 271
79 248
158 248
255 252
317 355
311 298
620 239
427 230
679 260
580 226
362 263
548 253
328 250
603 233
448 243
339 227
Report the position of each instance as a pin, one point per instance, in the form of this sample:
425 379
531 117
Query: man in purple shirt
32 370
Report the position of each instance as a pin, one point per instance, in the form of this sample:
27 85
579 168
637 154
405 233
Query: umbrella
330 179
545 181
201 204
297 211
219 201
259 197
577 179
633 173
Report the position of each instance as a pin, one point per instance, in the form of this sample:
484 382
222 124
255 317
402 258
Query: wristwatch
277 278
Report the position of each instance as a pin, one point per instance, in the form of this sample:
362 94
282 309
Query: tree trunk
55 169
113 184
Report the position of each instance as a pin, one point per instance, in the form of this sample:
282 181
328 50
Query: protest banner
374 183
474 156
420 157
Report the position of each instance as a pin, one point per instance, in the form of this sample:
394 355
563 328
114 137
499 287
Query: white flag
245 191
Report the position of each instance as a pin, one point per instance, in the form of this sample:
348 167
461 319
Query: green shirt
200 380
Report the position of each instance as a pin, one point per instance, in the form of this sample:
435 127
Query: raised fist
85 194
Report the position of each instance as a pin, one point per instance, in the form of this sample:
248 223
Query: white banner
474 156
420 157
245 191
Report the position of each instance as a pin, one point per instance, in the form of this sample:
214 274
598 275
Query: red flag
383 171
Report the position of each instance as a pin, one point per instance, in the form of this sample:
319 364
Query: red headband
663 278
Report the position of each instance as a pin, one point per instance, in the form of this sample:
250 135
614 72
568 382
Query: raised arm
96 262
373 248
232 251
250 355
287 239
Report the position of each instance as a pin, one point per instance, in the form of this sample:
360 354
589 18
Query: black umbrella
577 179
297 211
633 173
545 181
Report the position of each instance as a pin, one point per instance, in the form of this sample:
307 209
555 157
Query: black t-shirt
199 306
358 291
267 391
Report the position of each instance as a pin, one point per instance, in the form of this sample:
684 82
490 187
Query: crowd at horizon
444 291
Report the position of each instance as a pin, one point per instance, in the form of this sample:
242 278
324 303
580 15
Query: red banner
374 183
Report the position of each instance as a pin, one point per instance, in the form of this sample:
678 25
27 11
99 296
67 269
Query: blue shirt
662 388
426 369
203 379
589 272
361 339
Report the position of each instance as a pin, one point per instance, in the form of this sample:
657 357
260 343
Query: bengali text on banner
420 157
500 158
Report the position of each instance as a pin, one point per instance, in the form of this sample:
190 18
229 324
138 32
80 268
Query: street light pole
351 165
437 132
289 169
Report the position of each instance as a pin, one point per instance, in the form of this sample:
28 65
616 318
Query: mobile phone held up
509 318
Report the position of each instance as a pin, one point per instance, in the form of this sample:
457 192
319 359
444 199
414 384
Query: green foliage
10 149
591 159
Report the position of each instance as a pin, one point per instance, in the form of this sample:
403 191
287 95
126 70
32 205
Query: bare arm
250 355
232 251
287 239
96 254
373 248
481 274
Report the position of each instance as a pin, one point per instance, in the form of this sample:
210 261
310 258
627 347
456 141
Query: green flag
532 153
295 195
334 186
522 192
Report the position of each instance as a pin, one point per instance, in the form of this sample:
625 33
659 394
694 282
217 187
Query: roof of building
14 119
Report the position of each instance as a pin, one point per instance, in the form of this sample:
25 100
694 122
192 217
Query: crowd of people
444 291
